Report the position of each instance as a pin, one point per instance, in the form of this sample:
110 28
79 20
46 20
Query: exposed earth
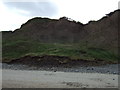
61 63
51 60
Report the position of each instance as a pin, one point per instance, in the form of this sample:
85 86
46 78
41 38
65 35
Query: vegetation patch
16 49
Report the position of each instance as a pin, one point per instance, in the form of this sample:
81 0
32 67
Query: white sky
79 10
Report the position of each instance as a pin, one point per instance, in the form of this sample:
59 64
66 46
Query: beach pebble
76 70
92 68
110 69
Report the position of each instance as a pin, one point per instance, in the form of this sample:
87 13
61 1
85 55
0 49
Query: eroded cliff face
51 31
102 33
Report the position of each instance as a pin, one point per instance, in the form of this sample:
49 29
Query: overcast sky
13 13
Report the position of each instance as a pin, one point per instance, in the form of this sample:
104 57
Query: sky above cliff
13 13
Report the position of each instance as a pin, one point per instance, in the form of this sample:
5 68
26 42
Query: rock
88 68
114 73
55 70
108 71
76 70
92 68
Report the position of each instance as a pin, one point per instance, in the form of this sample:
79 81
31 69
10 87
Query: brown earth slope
102 33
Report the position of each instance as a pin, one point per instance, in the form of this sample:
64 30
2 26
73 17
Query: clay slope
102 33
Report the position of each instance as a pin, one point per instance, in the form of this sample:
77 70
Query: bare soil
56 61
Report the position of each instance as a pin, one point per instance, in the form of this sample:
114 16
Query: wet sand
50 79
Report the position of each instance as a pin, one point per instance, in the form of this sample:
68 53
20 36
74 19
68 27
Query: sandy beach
50 79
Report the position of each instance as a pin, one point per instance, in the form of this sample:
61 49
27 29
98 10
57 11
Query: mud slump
55 61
